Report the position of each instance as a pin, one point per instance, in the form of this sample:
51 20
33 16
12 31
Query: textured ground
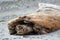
4 33
9 14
